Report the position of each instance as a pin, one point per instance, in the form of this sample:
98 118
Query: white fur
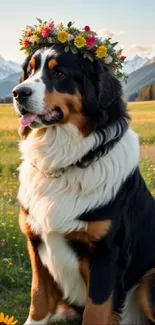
131 314
36 100
44 321
55 203
63 264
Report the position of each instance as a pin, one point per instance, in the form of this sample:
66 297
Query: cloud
105 33
140 50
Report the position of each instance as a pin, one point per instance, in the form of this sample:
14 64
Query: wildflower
87 29
35 39
29 32
122 58
101 52
79 41
108 59
10 212
25 43
6 320
45 32
62 36
90 42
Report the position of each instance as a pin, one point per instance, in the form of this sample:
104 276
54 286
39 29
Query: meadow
15 271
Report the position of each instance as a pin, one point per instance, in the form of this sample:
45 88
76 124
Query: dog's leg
44 292
146 295
99 304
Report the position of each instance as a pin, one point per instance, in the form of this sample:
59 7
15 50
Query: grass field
15 272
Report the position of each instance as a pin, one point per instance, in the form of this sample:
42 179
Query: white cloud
104 32
140 50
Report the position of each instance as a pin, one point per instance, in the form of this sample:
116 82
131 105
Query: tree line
147 93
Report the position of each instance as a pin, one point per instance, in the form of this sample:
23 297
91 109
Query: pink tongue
27 119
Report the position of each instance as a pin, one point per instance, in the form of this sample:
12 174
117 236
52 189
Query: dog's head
60 88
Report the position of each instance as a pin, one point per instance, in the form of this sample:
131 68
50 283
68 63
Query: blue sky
130 22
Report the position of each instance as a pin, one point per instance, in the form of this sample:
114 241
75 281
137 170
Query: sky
131 22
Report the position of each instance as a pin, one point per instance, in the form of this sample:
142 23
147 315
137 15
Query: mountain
134 64
8 83
8 67
139 79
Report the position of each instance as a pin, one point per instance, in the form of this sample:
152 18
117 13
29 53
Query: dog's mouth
34 121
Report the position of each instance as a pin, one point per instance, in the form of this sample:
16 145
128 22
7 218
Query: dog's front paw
31 321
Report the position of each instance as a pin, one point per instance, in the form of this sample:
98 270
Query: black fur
132 237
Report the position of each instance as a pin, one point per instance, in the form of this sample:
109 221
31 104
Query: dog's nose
21 93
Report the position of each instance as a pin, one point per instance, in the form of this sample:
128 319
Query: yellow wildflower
39 29
79 41
101 52
6 320
10 212
62 36
26 52
35 39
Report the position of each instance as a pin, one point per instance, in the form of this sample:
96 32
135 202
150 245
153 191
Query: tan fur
95 231
32 63
52 63
71 106
143 297
45 294
97 314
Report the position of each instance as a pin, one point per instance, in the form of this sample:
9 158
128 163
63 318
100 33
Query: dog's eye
58 73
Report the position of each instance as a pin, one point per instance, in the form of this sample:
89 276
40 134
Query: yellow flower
10 212
101 52
62 36
79 41
6 320
35 38
39 29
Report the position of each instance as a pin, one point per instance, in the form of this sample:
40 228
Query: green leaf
85 55
74 49
39 20
69 24
66 48
114 44
90 57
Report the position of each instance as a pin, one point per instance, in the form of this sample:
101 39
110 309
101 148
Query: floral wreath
83 41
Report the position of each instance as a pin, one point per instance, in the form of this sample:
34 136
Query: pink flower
45 32
90 42
2 244
122 58
51 25
87 29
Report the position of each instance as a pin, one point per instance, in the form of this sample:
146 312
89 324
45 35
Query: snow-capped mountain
136 63
8 67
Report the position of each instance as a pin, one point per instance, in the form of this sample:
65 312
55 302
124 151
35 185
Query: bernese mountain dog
84 206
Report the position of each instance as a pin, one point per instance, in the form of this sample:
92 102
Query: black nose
21 93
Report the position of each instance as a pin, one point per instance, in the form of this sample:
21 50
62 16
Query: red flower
25 43
90 42
51 25
45 32
122 58
29 32
87 29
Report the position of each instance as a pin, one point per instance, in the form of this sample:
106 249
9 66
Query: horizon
131 26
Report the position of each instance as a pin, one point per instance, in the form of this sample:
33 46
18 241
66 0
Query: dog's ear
109 87
25 68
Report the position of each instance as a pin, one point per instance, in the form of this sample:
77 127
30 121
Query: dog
84 206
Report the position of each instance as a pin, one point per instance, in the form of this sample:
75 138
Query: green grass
15 271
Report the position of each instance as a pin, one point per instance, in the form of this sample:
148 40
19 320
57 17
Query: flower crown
83 41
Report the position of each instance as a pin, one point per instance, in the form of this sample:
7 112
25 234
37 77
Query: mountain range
140 70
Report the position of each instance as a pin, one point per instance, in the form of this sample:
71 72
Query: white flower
70 37
108 59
